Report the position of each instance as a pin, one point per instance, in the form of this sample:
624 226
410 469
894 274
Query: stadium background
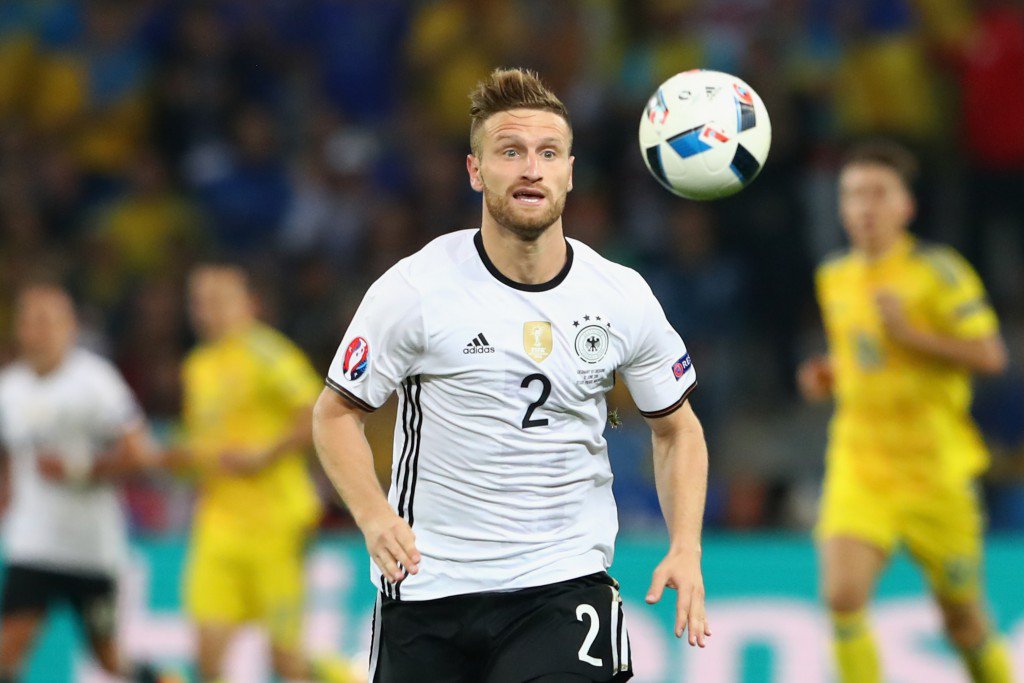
322 140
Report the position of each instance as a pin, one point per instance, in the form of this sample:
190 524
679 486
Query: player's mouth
529 197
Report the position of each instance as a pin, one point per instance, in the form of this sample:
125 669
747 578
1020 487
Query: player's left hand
681 570
894 318
244 463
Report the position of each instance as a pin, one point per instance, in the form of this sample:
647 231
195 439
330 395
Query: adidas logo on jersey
479 345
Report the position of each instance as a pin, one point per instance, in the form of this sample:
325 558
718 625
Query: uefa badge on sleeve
680 367
357 359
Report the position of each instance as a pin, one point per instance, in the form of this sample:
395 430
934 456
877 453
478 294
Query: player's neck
880 252
43 364
234 328
526 262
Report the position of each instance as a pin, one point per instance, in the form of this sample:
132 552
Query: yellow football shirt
902 417
241 394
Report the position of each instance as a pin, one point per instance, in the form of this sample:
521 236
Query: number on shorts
590 612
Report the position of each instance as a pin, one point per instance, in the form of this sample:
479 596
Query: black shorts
93 597
571 627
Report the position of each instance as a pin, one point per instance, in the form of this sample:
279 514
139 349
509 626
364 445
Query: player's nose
532 169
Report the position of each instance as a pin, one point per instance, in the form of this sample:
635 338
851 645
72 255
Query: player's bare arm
300 436
338 434
680 474
984 355
131 454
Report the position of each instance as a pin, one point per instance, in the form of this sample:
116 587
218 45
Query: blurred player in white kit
70 429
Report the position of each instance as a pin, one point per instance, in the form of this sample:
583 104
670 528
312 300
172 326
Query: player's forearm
680 475
133 453
347 459
985 356
300 436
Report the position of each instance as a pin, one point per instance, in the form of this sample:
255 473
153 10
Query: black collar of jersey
478 240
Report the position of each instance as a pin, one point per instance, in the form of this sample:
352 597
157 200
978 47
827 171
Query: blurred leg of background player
25 608
850 569
17 634
232 583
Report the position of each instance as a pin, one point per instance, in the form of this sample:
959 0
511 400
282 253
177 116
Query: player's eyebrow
543 142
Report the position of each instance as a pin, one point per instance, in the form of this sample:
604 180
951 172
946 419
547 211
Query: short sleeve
960 304
382 344
658 372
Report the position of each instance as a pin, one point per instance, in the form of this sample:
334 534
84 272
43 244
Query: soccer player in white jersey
70 428
491 548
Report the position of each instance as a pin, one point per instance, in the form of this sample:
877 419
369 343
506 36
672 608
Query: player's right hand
392 545
815 379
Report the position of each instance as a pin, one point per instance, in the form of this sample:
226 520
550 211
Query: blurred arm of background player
985 355
346 457
132 453
246 463
299 437
681 475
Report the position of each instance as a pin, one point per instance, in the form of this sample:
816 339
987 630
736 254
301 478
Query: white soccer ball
705 134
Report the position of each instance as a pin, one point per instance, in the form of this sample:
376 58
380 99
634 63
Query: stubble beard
528 229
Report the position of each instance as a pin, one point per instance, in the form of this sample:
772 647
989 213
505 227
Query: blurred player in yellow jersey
907 323
248 397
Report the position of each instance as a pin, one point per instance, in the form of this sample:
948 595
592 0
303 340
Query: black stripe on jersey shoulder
478 241
672 408
349 396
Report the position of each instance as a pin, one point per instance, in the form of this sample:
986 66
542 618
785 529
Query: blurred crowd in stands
322 140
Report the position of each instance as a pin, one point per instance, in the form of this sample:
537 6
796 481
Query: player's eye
548 154
510 153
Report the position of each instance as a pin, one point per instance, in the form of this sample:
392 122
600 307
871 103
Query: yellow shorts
248 580
941 530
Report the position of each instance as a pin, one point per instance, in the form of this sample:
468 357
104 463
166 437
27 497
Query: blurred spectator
331 186
90 85
248 199
884 84
18 45
352 47
700 289
150 229
452 45
990 68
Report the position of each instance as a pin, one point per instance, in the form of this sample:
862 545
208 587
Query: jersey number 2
545 391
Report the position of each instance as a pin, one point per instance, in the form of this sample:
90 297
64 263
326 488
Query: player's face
45 325
219 301
875 206
524 169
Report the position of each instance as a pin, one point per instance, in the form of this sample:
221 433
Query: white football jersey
500 465
76 411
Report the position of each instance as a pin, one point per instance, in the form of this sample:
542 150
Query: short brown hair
885 153
508 89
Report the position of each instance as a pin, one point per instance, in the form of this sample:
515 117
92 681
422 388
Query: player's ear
473 168
571 160
910 207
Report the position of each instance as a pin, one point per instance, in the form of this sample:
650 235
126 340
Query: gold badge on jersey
537 340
